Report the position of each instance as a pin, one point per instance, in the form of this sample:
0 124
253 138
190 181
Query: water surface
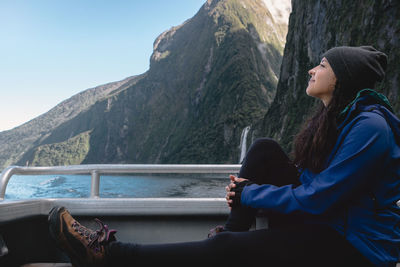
76 186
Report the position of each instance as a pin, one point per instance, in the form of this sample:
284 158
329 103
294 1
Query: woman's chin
309 91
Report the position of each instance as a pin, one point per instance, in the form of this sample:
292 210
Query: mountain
314 27
209 78
18 141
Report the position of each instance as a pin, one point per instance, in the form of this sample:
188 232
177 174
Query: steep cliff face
314 27
209 78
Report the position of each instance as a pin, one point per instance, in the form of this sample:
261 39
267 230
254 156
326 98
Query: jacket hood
371 101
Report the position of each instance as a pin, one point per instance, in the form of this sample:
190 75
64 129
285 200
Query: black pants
287 242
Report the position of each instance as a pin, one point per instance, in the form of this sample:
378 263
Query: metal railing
96 170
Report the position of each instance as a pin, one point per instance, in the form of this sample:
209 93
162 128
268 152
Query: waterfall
243 143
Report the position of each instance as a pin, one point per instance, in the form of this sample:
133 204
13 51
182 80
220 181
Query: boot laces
96 238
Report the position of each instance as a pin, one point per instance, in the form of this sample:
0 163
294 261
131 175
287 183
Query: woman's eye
322 65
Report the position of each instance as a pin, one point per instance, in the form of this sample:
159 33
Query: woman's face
322 82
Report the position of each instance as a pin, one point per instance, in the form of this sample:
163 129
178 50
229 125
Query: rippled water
75 186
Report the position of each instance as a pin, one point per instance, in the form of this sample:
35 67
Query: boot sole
54 221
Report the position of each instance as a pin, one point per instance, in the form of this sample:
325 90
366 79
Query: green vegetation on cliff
71 152
17 145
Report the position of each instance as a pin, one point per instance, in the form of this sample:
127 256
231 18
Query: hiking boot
213 232
84 246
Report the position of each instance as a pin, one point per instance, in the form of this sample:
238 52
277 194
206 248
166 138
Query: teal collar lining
380 98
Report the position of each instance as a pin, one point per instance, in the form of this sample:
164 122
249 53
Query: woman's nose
311 72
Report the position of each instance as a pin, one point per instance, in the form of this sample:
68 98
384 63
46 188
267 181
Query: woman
335 205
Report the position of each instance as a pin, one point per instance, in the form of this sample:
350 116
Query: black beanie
357 67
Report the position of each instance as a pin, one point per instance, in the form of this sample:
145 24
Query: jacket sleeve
361 150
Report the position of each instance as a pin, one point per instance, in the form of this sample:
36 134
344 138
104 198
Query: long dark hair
318 134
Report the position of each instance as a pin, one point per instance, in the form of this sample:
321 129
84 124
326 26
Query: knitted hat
357 67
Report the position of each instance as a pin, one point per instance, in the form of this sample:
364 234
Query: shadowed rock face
314 27
208 79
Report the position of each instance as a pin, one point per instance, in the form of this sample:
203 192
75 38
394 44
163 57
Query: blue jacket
359 187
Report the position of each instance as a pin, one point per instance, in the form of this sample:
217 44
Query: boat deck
24 227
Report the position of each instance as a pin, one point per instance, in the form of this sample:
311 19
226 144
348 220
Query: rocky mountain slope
314 27
18 141
209 78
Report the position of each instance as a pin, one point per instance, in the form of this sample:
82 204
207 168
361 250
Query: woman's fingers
229 187
240 180
236 179
229 193
228 197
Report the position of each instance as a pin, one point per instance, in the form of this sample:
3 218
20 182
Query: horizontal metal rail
96 170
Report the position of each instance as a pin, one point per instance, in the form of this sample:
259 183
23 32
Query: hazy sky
53 49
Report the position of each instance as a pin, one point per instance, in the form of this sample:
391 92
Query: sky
51 50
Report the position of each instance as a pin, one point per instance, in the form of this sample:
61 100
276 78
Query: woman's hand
231 194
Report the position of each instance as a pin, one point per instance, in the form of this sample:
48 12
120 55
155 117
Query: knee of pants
262 145
265 143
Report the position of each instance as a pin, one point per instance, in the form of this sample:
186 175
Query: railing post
4 178
95 187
